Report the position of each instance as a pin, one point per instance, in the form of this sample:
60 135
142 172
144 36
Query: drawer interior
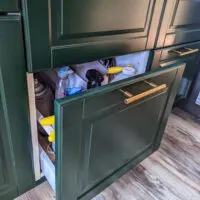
42 93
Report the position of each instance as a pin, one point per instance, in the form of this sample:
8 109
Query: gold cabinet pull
133 98
126 93
190 51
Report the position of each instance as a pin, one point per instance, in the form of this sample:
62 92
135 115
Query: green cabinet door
9 5
99 137
65 32
8 189
16 174
180 24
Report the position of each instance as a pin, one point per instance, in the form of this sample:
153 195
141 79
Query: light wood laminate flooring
171 173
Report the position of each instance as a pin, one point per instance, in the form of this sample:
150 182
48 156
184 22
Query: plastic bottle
61 83
126 73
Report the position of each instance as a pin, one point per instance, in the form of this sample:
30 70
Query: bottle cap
63 72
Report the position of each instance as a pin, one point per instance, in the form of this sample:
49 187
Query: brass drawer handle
126 93
132 98
190 51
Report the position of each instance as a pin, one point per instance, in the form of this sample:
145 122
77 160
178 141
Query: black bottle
95 78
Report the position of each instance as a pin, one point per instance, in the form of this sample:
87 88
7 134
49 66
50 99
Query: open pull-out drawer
101 133
105 131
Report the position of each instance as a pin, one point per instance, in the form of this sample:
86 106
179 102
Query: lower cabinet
16 174
103 133
187 53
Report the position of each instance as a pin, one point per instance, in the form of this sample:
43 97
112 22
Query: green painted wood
180 24
9 5
8 189
15 158
96 146
166 56
119 136
79 31
170 102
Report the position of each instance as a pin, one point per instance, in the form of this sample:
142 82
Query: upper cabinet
64 32
8 5
181 23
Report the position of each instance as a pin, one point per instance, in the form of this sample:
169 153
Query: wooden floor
171 173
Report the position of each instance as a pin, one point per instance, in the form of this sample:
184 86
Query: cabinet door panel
79 31
121 136
9 5
8 187
95 148
15 147
181 23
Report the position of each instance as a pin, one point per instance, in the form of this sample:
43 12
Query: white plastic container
126 73
47 168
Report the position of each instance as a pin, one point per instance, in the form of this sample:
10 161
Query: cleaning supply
114 70
71 91
48 121
95 78
61 84
127 72
75 83
82 69
52 137
71 83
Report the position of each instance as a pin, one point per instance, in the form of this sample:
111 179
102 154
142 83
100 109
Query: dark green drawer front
169 55
64 32
9 5
98 136
163 57
180 23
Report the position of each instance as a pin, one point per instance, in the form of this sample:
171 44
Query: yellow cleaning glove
52 137
47 121
114 70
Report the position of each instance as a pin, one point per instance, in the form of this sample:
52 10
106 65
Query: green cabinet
187 53
65 32
8 189
103 133
180 24
16 174
9 5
